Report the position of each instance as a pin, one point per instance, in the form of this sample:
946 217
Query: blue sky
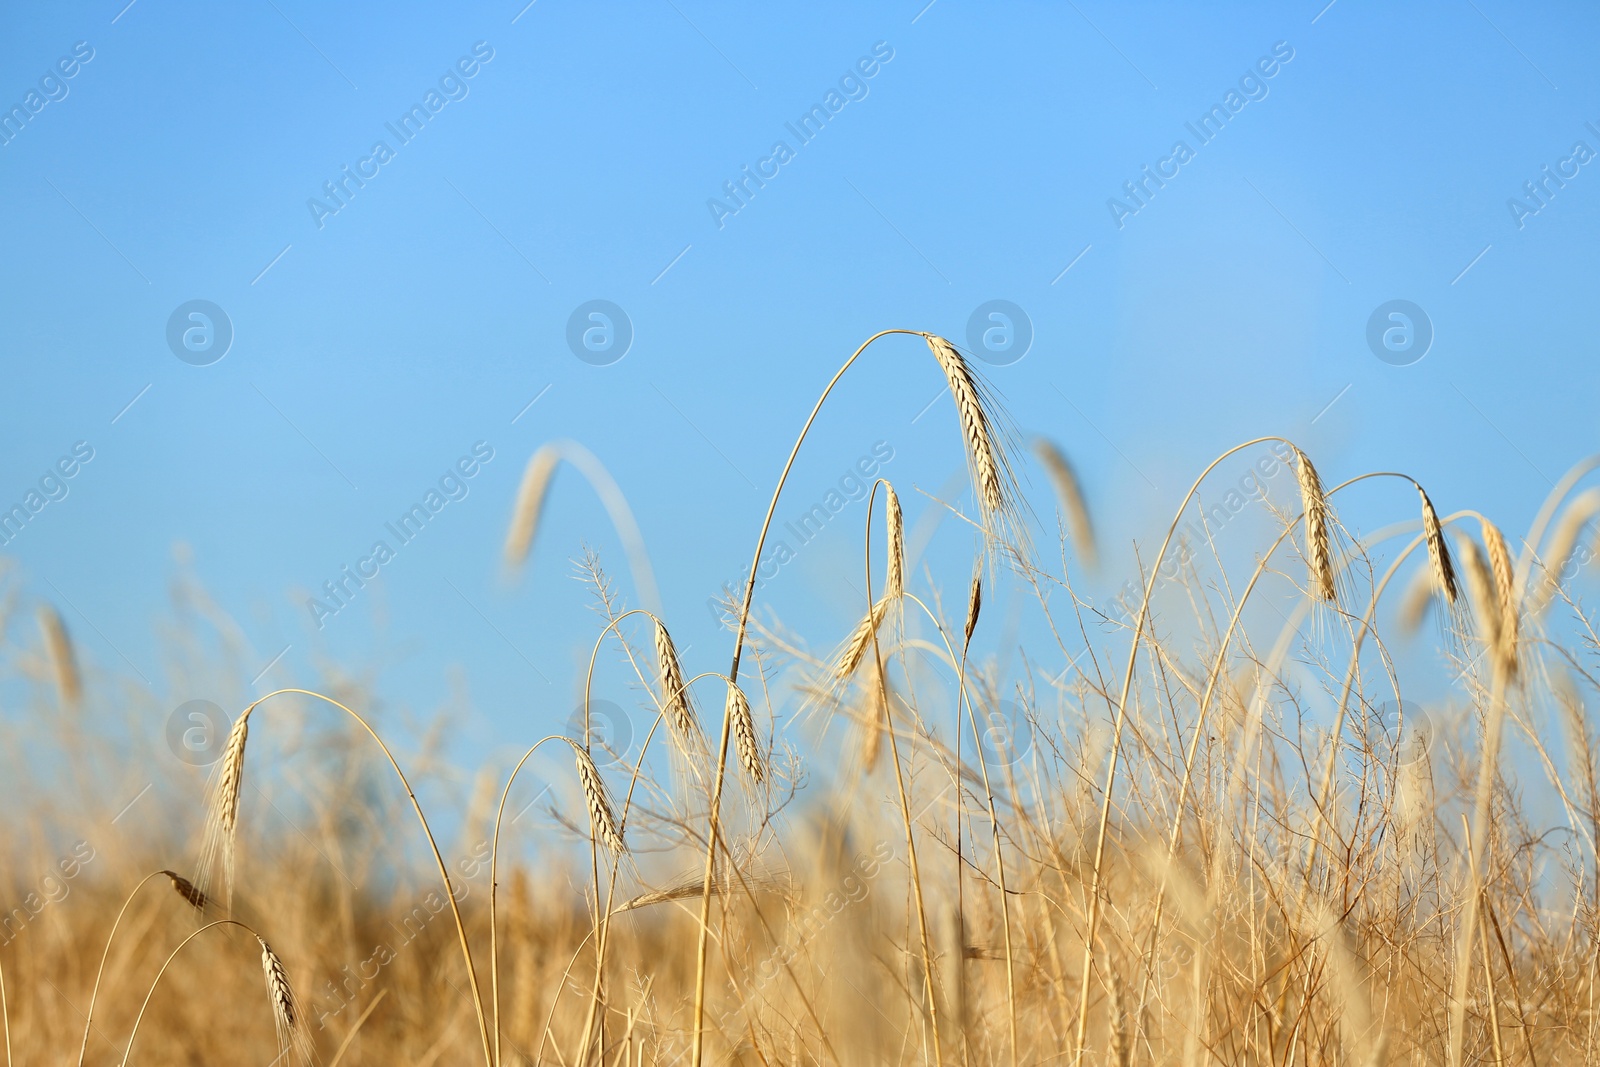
584 158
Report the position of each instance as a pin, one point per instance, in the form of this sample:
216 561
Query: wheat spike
1559 551
1319 553
744 733
856 647
1481 592
602 819
991 473
1414 602
974 605
894 582
222 811
673 690
1065 479
1505 593
63 660
285 1009
872 729
186 889
536 478
1438 551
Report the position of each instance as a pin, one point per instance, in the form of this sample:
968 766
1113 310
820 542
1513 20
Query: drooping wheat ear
222 812
285 1009
872 728
1121 1043
1481 592
991 472
1070 491
602 819
536 478
1418 595
1505 593
186 889
744 732
673 690
894 581
856 647
1438 551
63 661
1319 552
974 605
1578 515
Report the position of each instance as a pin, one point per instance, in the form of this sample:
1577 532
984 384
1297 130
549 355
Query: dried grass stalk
63 660
1070 491
602 819
1438 551
744 733
1319 550
285 1008
895 578
536 479
669 672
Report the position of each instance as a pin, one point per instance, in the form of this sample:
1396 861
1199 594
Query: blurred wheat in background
1206 830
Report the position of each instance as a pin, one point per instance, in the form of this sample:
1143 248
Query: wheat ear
974 605
1562 543
856 647
222 812
285 1009
991 472
187 890
63 661
1505 593
602 819
894 582
1070 491
669 672
1444 570
1481 592
536 479
744 733
1319 552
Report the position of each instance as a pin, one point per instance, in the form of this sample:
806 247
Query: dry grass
1195 831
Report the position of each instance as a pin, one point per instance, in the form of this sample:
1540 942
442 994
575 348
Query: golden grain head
1481 593
1505 597
974 605
602 818
991 470
744 734
187 890
674 692
536 479
1070 492
1558 553
894 526
1416 599
1319 541
860 640
63 660
1444 570
222 812
292 1039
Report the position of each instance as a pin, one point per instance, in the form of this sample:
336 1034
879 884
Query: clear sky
393 215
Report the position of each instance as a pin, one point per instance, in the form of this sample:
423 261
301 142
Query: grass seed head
1070 492
602 819
744 734
536 479
1444 570
669 672
895 578
1319 550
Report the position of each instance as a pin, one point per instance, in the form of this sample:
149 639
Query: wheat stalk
222 811
1438 551
1319 553
673 690
536 478
1070 491
744 733
894 582
285 1009
602 819
63 661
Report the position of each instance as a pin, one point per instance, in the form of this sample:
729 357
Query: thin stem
174 955
88 1021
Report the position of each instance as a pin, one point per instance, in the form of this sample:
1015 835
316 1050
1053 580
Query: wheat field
1197 825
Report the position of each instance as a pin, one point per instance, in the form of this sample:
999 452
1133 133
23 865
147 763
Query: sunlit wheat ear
525 514
1561 545
673 691
1505 593
602 819
859 641
222 812
63 660
186 889
1414 602
1065 479
872 727
991 473
894 582
1481 592
974 605
285 1009
1319 551
1438 551
744 733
